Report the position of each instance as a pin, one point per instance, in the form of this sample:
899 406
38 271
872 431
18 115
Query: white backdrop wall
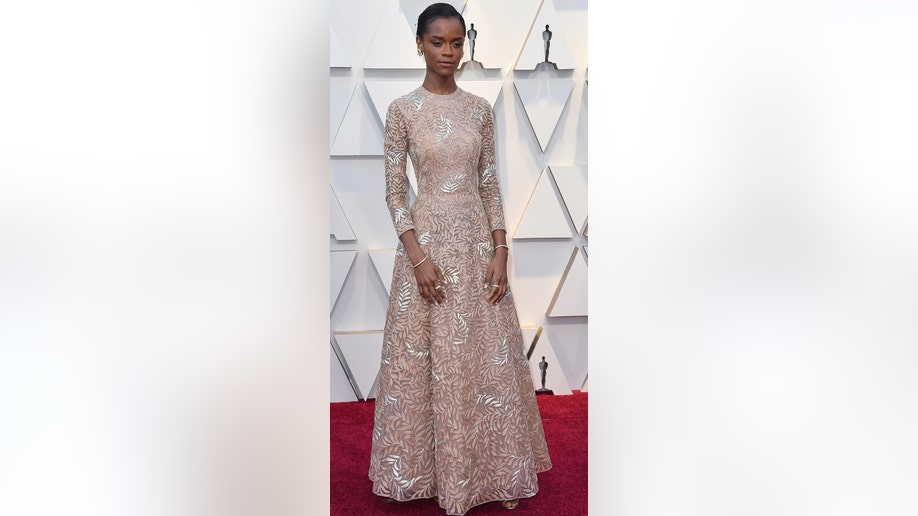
541 124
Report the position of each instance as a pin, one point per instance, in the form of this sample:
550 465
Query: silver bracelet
502 245
415 265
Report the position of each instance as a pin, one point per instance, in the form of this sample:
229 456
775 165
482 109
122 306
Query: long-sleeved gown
456 416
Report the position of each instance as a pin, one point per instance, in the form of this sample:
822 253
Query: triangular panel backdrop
540 116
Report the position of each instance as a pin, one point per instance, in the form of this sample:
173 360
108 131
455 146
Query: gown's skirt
456 416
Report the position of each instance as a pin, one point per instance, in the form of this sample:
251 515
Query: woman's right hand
431 283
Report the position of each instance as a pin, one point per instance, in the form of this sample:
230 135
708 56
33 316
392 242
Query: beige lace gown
456 416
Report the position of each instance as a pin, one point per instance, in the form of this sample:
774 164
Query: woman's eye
436 43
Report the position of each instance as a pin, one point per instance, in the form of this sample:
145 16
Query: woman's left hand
496 278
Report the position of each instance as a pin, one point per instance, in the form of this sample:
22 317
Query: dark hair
434 11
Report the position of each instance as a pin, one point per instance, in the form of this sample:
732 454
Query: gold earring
420 52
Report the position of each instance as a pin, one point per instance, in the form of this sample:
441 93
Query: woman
456 416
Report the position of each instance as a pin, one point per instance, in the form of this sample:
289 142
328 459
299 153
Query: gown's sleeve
488 184
395 148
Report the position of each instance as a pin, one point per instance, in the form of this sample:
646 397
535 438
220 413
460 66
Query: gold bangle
502 245
415 265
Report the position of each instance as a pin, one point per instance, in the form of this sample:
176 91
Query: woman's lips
446 63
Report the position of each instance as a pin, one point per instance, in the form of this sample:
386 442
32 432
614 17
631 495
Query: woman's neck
439 84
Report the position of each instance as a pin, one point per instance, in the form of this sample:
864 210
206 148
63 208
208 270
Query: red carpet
562 489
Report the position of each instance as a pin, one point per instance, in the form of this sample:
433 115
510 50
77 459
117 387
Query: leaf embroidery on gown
404 296
395 461
450 274
416 353
488 174
503 355
394 157
452 183
401 214
490 400
444 128
417 99
462 331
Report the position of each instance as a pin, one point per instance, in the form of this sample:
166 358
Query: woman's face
442 45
